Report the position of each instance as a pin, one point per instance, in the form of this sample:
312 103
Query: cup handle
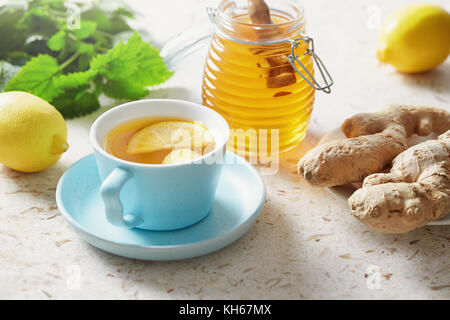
110 191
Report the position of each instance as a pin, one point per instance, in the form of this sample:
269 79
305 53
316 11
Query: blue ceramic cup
158 196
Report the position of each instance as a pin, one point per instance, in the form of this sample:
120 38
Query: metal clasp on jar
328 81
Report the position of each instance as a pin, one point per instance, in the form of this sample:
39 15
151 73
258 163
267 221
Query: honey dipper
281 72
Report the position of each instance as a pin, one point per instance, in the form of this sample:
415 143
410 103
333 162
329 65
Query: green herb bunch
72 66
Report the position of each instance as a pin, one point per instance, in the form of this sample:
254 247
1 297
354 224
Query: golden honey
250 81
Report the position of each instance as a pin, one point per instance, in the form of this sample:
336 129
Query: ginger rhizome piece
375 140
414 192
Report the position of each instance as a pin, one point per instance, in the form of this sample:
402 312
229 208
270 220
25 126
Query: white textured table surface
305 243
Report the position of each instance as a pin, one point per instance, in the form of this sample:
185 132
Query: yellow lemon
181 155
33 134
415 38
169 135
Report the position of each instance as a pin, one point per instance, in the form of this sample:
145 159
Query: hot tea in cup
159 161
155 140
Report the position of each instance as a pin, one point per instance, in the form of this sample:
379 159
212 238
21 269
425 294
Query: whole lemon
415 38
33 134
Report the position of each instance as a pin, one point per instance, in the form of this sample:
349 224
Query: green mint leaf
123 12
103 20
83 61
74 80
87 28
12 38
38 21
86 48
76 102
57 41
124 90
99 83
135 60
37 76
82 47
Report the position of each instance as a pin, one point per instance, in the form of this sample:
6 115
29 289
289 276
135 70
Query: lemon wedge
181 155
170 135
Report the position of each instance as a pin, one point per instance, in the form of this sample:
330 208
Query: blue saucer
239 200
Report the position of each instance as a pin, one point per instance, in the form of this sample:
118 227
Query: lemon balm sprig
124 72
71 68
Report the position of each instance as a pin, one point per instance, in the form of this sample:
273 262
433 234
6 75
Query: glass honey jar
261 77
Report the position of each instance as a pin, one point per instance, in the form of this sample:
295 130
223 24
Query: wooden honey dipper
281 72
259 12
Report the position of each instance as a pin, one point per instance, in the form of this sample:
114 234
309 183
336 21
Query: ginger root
414 192
375 140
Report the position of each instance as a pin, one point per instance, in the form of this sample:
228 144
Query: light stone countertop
305 245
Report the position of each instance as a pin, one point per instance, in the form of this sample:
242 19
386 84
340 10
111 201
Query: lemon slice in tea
181 155
170 135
